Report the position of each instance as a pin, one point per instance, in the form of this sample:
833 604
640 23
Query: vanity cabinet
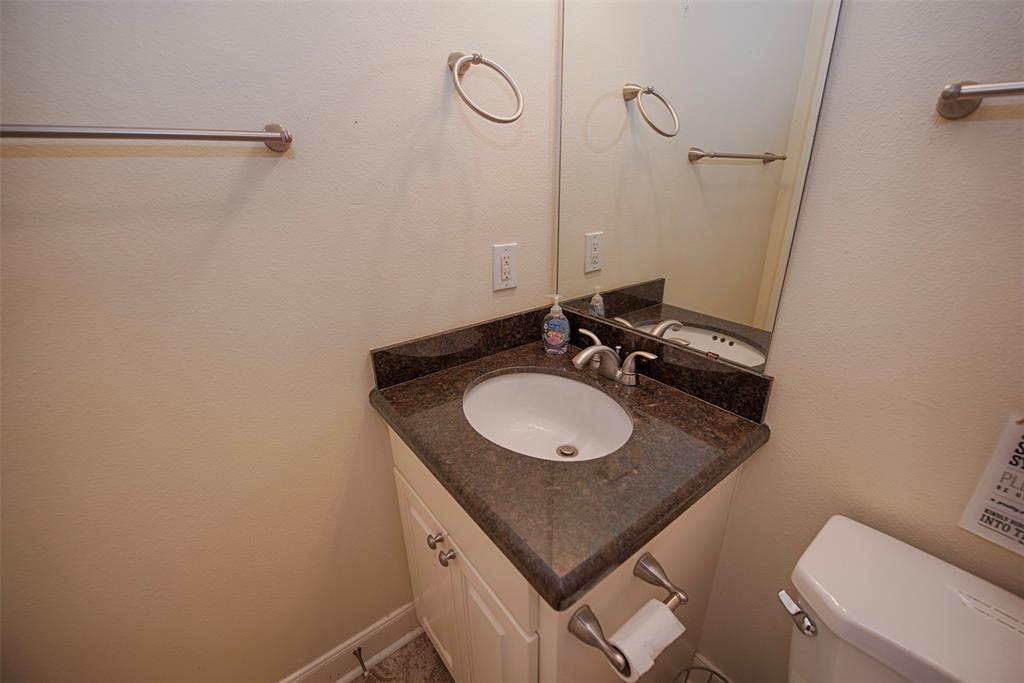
493 647
475 635
432 583
488 624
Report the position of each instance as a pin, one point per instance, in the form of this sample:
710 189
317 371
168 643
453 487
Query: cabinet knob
432 541
445 556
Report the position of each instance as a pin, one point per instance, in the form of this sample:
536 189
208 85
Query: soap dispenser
555 329
596 305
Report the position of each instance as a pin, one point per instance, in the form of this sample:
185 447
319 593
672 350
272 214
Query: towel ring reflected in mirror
632 91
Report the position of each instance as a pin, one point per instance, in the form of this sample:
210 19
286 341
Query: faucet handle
589 335
595 362
623 321
629 364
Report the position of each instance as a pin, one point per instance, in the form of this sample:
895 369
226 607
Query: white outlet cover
593 253
503 267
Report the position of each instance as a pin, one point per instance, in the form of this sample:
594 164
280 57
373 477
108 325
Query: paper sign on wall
996 510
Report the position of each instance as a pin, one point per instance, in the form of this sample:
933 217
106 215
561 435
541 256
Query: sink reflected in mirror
700 339
546 416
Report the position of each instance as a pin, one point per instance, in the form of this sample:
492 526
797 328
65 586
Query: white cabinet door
494 648
432 584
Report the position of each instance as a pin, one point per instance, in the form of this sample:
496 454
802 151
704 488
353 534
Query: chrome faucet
664 326
608 363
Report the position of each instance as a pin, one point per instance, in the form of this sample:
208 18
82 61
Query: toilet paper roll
643 637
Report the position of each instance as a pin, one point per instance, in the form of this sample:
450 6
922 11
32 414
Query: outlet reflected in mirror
700 239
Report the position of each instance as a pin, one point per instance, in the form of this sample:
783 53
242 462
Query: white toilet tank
888 613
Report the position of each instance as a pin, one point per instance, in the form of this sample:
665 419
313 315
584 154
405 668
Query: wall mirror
656 96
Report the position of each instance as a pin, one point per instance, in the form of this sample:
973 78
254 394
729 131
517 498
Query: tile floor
416 662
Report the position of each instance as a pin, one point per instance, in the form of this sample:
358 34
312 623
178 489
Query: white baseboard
377 640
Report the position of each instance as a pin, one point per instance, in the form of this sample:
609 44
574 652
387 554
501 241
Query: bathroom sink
726 346
547 416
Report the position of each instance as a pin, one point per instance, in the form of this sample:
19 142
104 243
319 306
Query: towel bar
273 135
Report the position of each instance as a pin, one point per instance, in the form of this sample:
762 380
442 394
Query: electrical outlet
593 254
504 259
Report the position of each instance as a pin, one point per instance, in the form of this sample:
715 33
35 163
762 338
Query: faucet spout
664 326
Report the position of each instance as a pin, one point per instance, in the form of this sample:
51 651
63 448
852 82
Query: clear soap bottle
555 328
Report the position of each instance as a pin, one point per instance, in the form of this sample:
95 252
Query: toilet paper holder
584 623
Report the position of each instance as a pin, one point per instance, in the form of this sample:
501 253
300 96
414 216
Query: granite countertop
566 525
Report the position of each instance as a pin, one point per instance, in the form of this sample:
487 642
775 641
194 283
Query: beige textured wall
194 485
898 350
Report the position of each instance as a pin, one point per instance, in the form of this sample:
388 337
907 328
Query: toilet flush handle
799 617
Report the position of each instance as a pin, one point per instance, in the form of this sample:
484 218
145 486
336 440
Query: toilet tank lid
920 616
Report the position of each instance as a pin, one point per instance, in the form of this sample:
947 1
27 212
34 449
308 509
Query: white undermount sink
547 416
725 345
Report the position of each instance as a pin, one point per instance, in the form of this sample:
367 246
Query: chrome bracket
585 626
584 623
799 617
650 570
281 145
958 100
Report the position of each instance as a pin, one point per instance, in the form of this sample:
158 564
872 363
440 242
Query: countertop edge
561 592
477 510
649 526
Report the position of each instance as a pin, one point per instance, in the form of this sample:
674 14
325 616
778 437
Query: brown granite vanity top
565 525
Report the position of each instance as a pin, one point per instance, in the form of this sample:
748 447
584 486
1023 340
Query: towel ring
459 63
632 91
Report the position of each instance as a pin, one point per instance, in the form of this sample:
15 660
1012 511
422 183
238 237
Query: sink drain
567 451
